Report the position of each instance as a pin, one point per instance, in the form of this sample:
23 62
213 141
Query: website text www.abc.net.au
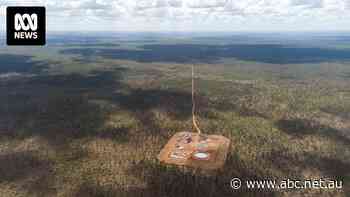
238 183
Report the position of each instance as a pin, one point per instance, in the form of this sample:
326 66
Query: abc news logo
26 26
32 21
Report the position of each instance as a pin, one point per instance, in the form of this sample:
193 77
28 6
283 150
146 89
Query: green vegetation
78 128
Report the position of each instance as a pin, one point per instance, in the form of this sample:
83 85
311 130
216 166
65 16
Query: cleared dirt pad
206 152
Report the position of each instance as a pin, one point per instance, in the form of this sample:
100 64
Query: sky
191 15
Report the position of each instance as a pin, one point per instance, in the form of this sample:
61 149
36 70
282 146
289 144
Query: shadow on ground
170 181
57 107
332 166
188 53
20 64
19 166
60 107
304 127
